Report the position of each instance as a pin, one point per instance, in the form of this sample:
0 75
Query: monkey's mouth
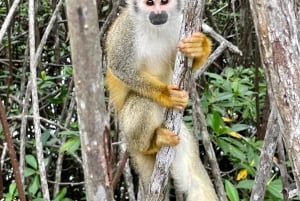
158 18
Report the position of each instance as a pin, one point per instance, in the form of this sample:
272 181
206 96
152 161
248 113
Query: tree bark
276 28
266 157
89 87
182 75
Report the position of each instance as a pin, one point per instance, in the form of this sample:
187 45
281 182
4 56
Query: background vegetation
233 98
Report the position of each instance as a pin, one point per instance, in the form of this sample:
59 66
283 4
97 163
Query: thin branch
3 154
121 166
207 29
40 118
61 154
23 130
35 103
8 19
39 50
12 153
210 60
267 153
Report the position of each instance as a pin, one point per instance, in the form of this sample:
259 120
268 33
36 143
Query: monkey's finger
173 87
194 38
192 52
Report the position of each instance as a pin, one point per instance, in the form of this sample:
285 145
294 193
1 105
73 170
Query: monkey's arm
121 82
198 46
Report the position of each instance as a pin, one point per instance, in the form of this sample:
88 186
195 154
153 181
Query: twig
12 153
23 130
210 60
120 169
207 29
66 183
61 154
8 19
40 118
200 120
3 154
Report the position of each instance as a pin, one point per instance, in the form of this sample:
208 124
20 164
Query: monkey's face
157 12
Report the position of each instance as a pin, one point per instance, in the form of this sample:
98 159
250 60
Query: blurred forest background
233 97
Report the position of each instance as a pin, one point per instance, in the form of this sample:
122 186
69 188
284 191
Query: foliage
229 103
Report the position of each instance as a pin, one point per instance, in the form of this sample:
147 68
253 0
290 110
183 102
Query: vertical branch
12 153
266 156
182 74
35 103
23 130
8 19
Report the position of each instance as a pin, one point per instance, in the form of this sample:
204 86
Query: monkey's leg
140 121
188 171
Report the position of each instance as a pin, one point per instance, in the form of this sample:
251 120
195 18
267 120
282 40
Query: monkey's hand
198 47
172 97
162 137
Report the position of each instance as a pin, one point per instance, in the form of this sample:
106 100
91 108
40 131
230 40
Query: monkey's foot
166 137
163 137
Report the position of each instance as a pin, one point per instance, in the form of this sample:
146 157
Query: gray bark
89 87
276 28
266 157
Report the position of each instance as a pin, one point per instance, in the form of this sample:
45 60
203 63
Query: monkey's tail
188 171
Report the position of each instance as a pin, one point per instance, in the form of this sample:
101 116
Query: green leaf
223 96
235 86
245 184
216 121
46 136
43 75
34 186
71 145
30 160
67 199
68 133
29 171
237 153
62 193
239 127
231 191
214 75
12 189
38 199
275 188
8 197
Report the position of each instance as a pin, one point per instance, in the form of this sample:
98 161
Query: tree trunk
276 28
88 77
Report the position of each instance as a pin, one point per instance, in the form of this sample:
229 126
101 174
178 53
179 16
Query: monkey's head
157 12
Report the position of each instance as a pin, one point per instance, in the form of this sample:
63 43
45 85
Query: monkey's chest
158 62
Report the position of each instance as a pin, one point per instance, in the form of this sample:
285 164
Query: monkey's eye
150 2
164 2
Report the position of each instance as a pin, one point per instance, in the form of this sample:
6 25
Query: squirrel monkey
141 50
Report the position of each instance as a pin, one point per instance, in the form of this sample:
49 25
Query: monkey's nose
158 18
